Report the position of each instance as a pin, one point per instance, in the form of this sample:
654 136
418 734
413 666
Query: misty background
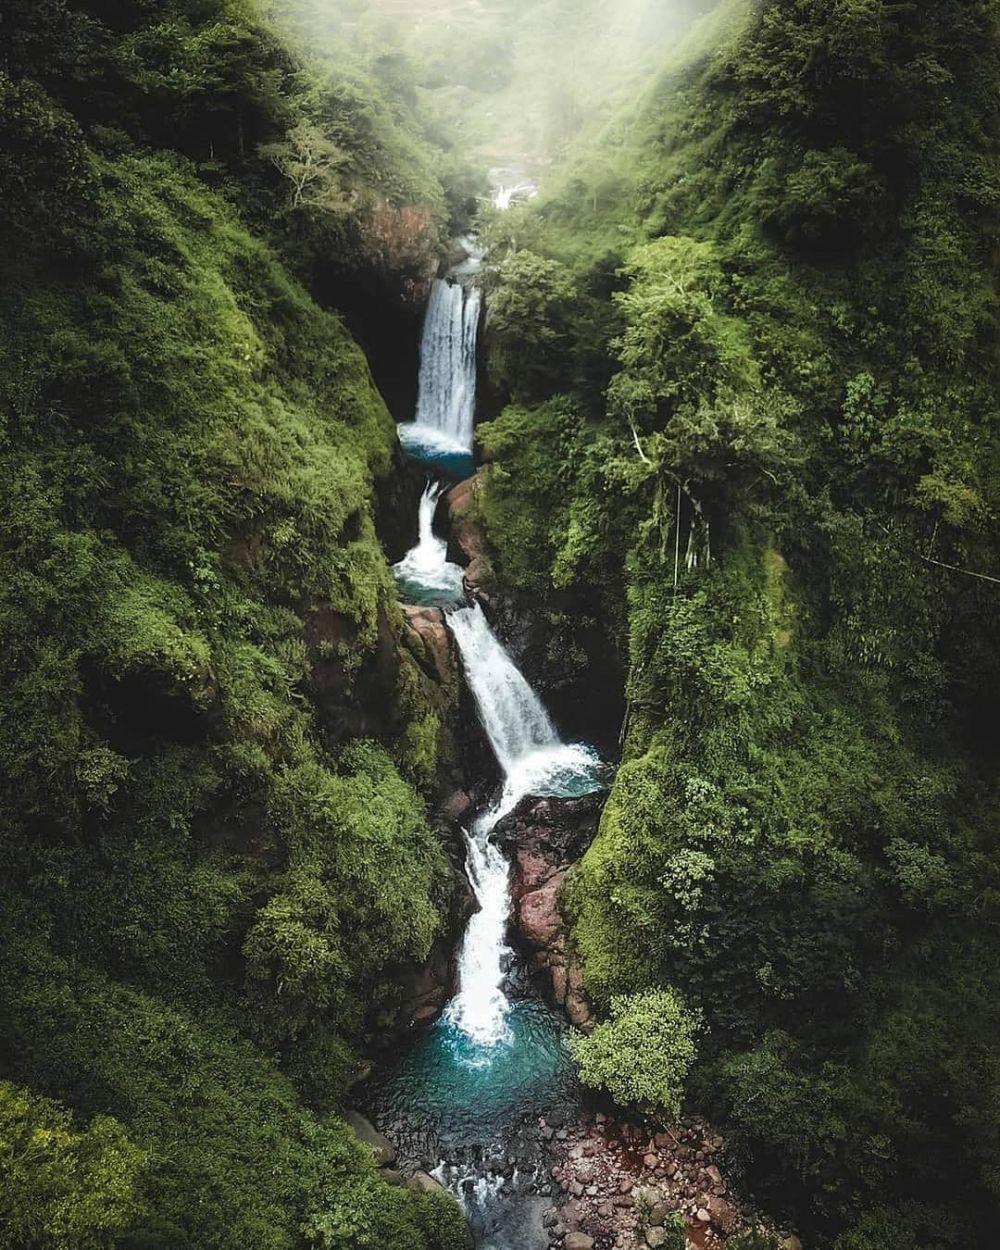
507 80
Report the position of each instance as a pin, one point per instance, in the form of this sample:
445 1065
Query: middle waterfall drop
425 575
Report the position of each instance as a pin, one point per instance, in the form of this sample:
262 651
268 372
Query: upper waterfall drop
505 197
446 403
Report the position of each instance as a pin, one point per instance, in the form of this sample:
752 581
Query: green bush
60 1188
642 1054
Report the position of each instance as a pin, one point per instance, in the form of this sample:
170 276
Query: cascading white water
425 574
513 716
446 404
534 761
504 197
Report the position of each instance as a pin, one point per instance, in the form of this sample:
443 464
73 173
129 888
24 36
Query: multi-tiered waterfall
496 1059
446 403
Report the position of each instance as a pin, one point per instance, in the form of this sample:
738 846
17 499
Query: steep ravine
485 1102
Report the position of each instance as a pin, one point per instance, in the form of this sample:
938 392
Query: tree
63 1189
642 1055
311 163
531 319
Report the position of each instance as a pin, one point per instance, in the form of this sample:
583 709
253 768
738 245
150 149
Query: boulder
538 916
381 1146
578 1241
458 807
724 1215
432 644
558 829
577 1005
469 545
656 1236
532 871
425 1184
545 837
559 984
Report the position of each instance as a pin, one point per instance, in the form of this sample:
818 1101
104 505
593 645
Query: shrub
642 1055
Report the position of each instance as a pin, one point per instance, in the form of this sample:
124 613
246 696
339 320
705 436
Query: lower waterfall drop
535 762
471 1090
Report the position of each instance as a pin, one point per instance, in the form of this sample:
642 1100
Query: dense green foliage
62 1188
749 343
642 1054
769 437
214 750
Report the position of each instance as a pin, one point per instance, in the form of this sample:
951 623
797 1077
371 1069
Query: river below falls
469 1115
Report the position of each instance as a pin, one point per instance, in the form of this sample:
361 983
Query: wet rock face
468 544
558 640
558 830
560 643
434 649
545 837
351 704
426 989
397 504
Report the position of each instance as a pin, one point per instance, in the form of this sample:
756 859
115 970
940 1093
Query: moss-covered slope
757 404
214 750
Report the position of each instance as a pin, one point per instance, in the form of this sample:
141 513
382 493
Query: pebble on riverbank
617 1184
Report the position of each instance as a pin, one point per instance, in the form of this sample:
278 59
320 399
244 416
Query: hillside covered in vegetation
749 342
215 753
741 375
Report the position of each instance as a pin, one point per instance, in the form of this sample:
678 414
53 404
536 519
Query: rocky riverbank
621 1185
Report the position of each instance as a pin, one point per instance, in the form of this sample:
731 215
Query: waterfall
515 721
534 761
446 404
504 196
424 575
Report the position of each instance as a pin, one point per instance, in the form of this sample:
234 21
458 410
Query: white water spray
504 197
513 716
425 573
534 761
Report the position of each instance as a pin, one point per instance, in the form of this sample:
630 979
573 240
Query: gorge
472 1088
499 637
